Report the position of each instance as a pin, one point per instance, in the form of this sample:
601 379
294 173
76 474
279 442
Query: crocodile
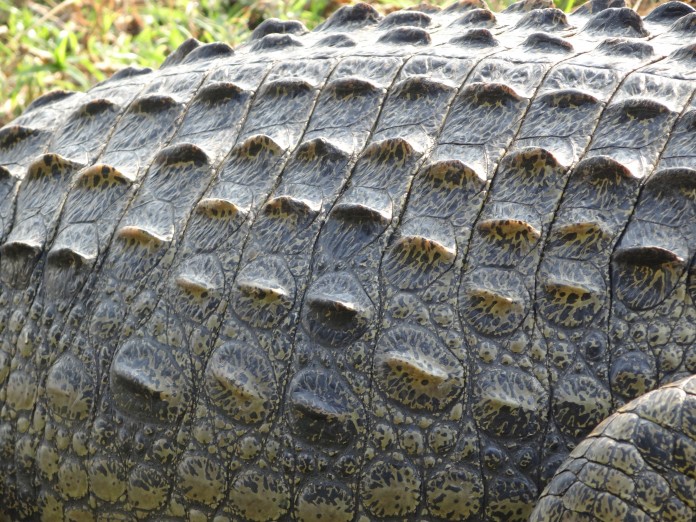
433 265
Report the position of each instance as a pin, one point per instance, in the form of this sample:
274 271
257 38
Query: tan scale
391 489
570 304
318 502
106 478
259 497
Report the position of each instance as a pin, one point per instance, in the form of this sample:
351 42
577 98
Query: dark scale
39 201
579 397
653 254
174 323
396 268
265 297
99 192
189 304
572 289
425 431
589 386
86 232
655 250
69 142
495 302
341 306
146 234
507 399
239 383
650 477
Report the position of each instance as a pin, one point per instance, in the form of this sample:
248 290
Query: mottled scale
497 284
426 97
561 120
494 303
495 107
413 369
162 202
632 464
289 89
76 246
680 150
222 210
420 372
157 214
83 233
424 250
143 246
322 411
100 194
39 202
572 290
350 85
484 117
158 211
146 385
649 263
599 198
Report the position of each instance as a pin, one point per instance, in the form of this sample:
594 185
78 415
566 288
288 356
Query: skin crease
437 265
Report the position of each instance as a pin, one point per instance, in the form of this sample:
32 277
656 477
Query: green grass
72 44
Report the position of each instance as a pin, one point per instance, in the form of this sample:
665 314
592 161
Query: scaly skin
433 266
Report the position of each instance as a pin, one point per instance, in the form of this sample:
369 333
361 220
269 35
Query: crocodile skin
436 265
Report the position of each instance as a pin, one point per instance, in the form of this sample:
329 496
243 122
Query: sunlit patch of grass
74 44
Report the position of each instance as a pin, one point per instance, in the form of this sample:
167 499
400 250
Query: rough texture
393 269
